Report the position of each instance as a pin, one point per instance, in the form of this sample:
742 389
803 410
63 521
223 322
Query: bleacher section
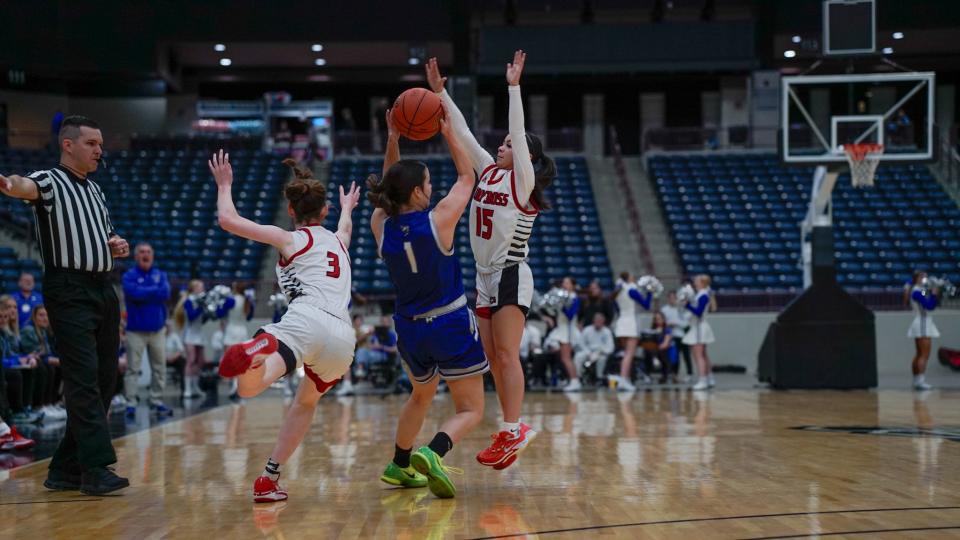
737 218
168 199
566 240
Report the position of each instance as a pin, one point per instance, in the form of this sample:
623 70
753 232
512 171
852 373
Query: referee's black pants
85 316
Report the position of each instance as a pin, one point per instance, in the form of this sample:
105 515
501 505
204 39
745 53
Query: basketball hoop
863 160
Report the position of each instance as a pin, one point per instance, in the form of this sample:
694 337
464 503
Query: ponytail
544 171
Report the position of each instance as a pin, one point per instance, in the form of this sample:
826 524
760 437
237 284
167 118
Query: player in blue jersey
437 332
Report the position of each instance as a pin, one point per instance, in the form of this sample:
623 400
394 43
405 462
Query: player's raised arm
449 210
480 159
522 165
231 221
348 201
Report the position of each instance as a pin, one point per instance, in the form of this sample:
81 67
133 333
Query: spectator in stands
26 298
146 291
923 299
665 350
20 368
678 321
189 318
595 302
596 346
176 354
38 340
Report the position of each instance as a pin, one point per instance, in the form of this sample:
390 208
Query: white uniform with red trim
501 213
316 327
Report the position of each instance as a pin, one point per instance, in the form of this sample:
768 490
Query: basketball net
863 160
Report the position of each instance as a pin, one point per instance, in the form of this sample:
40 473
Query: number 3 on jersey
485 223
334 261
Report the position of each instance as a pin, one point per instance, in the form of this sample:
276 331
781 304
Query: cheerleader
189 318
700 334
567 334
922 330
627 326
235 312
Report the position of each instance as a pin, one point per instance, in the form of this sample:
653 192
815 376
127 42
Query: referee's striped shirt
72 223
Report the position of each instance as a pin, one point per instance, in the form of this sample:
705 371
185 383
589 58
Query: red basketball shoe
266 490
239 357
506 448
15 441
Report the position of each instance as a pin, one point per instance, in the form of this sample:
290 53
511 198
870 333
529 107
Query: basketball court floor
738 463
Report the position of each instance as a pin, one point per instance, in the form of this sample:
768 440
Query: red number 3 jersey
499 225
318 272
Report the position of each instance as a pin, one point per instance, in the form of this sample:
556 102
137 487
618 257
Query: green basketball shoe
408 477
428 463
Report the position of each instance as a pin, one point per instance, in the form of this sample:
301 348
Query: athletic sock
511 427
272 470
919 379
441 443
401 457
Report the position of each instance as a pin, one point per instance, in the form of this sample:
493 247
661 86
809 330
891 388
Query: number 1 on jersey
408 247
485 223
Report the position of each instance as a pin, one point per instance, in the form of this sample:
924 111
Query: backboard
819 114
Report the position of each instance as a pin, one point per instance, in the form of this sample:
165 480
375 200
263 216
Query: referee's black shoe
58 480
100 481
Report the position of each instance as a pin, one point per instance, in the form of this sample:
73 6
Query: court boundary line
722 518
873 531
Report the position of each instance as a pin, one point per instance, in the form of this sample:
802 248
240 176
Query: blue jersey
424 274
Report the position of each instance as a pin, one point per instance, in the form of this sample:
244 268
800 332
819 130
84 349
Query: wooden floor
661 464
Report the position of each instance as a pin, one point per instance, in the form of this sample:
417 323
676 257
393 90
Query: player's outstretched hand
515 68
434 79
393 132
220 168
350 199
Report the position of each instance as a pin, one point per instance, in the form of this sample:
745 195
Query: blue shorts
448 345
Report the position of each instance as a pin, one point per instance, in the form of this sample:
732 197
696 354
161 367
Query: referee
78 245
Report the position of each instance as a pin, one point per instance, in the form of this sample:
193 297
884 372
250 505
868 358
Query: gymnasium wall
739 336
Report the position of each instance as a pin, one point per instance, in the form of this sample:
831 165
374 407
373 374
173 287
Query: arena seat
730 207
167 197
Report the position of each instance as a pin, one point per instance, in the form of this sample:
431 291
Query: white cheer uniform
700 332
922 325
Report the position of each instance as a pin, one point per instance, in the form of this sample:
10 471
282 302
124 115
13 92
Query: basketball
417 114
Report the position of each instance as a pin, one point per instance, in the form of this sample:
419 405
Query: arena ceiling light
225 62
320 61
898 35
789 53
219 47
888 50
316 47
796 39
413 61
